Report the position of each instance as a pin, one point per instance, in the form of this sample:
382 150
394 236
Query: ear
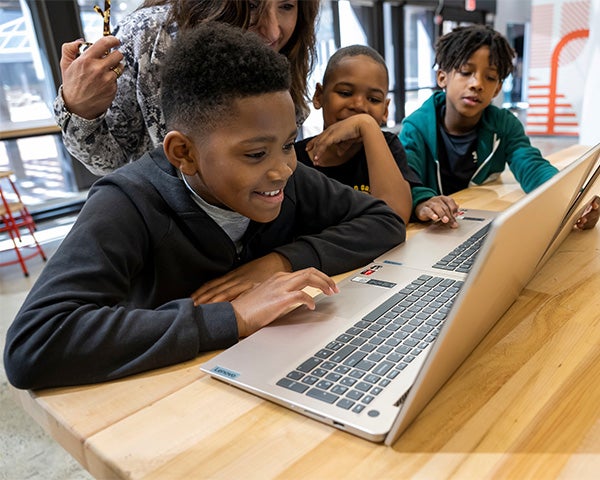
179 150
318 96
384 118
442 78
498 89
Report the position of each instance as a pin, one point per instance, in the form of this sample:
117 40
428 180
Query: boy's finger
311 277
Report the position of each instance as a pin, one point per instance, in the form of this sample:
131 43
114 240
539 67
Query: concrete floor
26 451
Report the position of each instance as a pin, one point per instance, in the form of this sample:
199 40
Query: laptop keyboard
353 369
462 257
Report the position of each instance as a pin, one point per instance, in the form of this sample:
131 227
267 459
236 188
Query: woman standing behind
107 123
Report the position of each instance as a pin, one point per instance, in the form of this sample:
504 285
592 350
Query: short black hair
454 49
210 66
353 51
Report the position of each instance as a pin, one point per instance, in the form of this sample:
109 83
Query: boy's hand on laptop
590 215
438 209
276 296
245 277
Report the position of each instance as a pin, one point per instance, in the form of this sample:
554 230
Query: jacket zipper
495 145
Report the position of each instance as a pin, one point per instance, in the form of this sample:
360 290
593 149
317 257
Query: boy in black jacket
203 240
352 148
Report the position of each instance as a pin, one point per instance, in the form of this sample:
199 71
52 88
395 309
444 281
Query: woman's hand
89 80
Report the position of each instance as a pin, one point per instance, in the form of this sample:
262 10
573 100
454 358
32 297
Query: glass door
29 143
419 55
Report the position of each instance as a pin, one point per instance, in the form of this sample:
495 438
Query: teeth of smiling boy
271 194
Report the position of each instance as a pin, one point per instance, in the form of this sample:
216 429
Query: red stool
15 216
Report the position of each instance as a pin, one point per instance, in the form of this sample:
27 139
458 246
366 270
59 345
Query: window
93 22
419 56
29 144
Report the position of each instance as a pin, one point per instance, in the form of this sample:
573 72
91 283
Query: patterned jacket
134 123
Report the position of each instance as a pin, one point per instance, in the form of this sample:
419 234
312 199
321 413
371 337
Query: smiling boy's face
358 84
469 90
245 163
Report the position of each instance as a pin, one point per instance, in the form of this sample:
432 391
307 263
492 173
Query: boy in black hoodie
202 241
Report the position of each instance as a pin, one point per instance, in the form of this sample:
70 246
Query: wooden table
525 403
9 134
33 128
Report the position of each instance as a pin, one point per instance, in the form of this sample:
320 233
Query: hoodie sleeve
79 323
524 160
338 228
421 159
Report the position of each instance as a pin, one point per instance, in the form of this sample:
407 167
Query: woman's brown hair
301 52
188 13
300 49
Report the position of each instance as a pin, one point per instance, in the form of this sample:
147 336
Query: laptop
454 249
589 187
369 359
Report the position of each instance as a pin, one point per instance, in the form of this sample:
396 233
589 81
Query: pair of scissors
105 16
105 27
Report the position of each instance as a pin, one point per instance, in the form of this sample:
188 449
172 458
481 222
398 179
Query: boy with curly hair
458 138
203 240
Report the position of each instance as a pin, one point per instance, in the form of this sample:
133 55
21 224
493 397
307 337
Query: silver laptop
587 189
369 359
439 247
454 249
